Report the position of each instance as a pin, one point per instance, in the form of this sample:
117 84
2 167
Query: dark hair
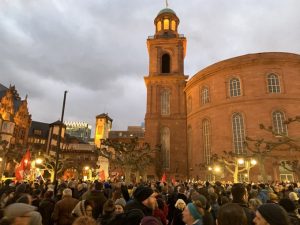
231 214
238 191
287 204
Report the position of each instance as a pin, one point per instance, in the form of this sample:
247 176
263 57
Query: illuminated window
238 133
165 145
165 102
273 84
279 127
206 140
173 25
235 87
166 24
204 95
159 26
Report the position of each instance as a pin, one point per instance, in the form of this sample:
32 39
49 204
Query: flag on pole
23 166
163 178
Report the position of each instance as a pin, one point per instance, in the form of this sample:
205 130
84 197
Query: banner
23 167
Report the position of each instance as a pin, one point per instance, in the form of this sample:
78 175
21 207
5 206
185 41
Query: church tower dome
166 23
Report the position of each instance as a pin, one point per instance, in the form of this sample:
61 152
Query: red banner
23 167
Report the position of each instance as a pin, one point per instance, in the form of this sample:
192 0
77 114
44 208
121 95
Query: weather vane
167 4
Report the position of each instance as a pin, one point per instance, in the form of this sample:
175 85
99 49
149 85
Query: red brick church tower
165 120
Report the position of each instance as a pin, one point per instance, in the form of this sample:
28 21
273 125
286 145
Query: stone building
217 108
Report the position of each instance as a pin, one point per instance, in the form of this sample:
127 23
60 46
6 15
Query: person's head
191 213
180 204
88 206
84 220
293 196
273 197
231 214
25 198
108 207
146 196
254 203
271 214
120 205
150 220
239 193
67 192
288 205
48 194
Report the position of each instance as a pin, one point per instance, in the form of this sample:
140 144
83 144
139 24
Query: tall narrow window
166 24
165 63
279 127
165 145
235 87
238 133
165 102
159 26
189 104
189 146
273 83
206 140
204 95
173 25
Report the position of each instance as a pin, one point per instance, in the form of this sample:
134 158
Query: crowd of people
153 203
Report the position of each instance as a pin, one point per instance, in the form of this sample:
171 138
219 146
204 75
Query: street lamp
253 162
241 161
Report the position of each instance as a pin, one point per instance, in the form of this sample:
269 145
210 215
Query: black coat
134 204
46 208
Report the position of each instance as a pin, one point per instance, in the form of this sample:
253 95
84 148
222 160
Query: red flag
173 181
163 178
102 175
23 166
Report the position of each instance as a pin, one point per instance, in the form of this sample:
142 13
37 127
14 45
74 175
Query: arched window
165 147
189 104
273 83
165 63
173 25
204 95
238 133
166 24
206 133
279 127
165 102
235 87
159 26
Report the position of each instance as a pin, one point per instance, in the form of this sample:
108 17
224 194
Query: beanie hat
273 214
194 211
121 202
17 209
199 200
150 220
142 193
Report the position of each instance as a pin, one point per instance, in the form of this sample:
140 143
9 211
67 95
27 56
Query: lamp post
59 140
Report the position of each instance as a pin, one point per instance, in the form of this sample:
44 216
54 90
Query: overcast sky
96 49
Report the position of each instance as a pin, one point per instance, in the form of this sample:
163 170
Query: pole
58 141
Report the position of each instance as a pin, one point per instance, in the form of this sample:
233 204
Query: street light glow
38 161
217 169
86 168
253 161
241 161
209 168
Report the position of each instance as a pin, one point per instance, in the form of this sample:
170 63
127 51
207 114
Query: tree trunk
51 175
236 173
127 174
262 168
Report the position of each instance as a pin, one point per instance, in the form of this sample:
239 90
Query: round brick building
226 103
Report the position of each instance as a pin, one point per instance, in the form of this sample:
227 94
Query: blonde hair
178 205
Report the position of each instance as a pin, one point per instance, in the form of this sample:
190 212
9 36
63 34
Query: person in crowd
177 217
254 203
240 196
150 220
263 193
273 198
295 198
201 202
192 215
25 198
21 213
36 197
83 208
159 213
130 217
46 207
108 213
271 214
119 206
98 198
62 213
214 205
231 214
21 189
290 208
84 220
144 199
